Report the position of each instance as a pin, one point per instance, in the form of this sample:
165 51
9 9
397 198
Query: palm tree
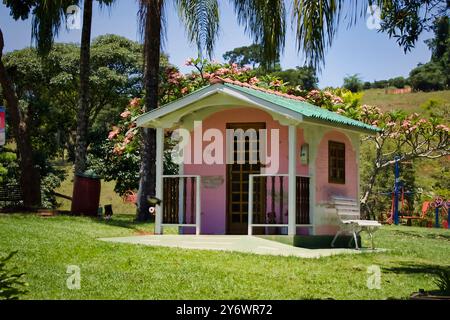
264 20
83 106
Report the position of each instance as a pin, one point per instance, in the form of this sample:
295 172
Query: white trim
175 105
292 201
151 119
198 210
159 179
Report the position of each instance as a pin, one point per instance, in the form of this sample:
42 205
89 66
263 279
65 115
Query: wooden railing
275 196
181 201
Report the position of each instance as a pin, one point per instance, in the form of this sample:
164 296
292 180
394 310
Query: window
336 162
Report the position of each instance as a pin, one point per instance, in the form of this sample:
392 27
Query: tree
47 16
82 114
353 83
264 20
303 77
250 55
47 90
409 137
398 82
428 77
317 22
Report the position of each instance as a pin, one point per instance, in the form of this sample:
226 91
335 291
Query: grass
409 102
124 271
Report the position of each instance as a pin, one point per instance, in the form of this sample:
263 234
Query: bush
353 83
398 82
428 77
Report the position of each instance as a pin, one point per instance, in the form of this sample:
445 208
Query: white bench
350 221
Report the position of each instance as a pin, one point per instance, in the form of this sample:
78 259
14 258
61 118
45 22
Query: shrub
353 83
428 77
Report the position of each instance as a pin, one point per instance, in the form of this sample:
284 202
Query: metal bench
350 220
10 196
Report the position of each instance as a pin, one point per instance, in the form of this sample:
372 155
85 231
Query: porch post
198 209
292 180
159 179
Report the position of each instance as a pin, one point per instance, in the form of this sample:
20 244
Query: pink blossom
442 127
113 133
119 149
253 81
125 114
222 71
135 102
184 90
189 62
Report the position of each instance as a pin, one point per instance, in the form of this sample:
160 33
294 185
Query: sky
356 50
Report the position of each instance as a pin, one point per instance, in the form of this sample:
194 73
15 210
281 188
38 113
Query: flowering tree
407 136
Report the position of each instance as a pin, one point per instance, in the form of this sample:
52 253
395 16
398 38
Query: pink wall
325 190
213 200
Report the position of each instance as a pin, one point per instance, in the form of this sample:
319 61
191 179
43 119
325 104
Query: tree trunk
30 182
83 106
152 45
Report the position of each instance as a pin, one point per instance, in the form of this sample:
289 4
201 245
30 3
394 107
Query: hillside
410 102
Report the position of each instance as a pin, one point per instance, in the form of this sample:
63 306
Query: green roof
304 108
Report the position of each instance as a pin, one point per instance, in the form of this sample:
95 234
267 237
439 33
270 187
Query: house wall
213 190
213 195
326 219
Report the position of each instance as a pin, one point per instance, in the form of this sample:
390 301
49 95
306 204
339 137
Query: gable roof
286 105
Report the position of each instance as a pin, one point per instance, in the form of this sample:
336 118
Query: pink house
253 161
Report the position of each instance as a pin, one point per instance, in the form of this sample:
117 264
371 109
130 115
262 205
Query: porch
235 243
261 207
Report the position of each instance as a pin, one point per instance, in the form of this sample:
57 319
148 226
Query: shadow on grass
126 221
428 235
408 268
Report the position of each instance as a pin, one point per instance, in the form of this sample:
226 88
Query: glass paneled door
246 145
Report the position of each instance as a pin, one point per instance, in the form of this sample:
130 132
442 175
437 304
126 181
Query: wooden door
238 180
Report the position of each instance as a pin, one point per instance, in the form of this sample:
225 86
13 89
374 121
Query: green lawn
123 271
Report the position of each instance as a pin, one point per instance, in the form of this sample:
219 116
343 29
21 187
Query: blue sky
356 50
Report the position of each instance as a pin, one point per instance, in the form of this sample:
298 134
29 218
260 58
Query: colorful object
439 203
2 127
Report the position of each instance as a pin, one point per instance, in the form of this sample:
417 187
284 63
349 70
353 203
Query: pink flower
253 81
275 83
184 90
135 102
442 127
113 133
189 62
125 114
222 71
119 149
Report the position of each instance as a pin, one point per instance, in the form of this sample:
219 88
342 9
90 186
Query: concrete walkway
246 244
